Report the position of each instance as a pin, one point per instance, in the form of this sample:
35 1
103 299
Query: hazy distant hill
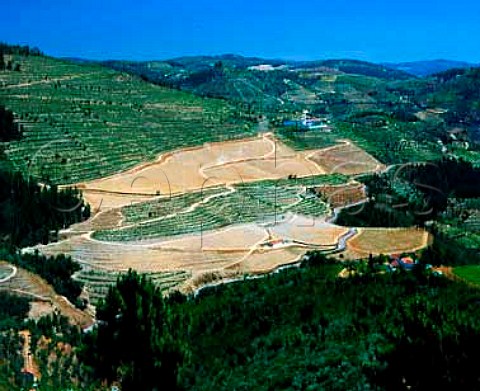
357 67
427 68
458 90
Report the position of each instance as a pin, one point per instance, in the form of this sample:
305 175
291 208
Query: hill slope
268 85
85 121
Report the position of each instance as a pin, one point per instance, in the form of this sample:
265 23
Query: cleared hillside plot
82 122
108 219
262 262
213 164
45 299
346 159
156 256
309 231
260 202
101 201
386 241
182 262
342 195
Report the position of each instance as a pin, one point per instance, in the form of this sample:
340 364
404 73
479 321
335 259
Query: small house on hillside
308 122
405 263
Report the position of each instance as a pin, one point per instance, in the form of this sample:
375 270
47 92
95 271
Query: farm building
404 263
307 122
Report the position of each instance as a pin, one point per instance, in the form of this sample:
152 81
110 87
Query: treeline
32 214
9 50
448 251
445 178
21 50
459 91
135 336
375 214
13 311
429 187
53 340
9 130
300 329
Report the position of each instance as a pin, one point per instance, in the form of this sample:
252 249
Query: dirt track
191 169
235 250
29 365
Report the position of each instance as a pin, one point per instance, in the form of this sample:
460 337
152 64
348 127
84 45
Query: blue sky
157 29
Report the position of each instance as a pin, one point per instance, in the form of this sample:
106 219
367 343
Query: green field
259 202
82 122
469 273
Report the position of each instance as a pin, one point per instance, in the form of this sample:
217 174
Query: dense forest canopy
301 329
414 193
32 214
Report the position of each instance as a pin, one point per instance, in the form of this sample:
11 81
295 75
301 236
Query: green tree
135 343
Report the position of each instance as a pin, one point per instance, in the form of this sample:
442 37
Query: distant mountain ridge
429 67
272 85
387 70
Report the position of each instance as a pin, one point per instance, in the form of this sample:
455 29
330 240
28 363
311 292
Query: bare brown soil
386 241
346 159
192 169
339 196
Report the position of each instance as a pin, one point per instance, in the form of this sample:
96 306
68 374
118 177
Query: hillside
242 209
71 114
268 85
449 101
458 91
385 111
302 329
356 67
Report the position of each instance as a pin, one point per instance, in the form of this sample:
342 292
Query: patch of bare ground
346 159
386 241
342 195
108 219
191 169
38 290
228 252
244 249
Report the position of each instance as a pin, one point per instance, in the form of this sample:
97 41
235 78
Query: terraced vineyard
97 282
165 206
72 114
259 202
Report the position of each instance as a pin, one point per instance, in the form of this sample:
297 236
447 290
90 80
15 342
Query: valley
188 191
229 222
221 211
